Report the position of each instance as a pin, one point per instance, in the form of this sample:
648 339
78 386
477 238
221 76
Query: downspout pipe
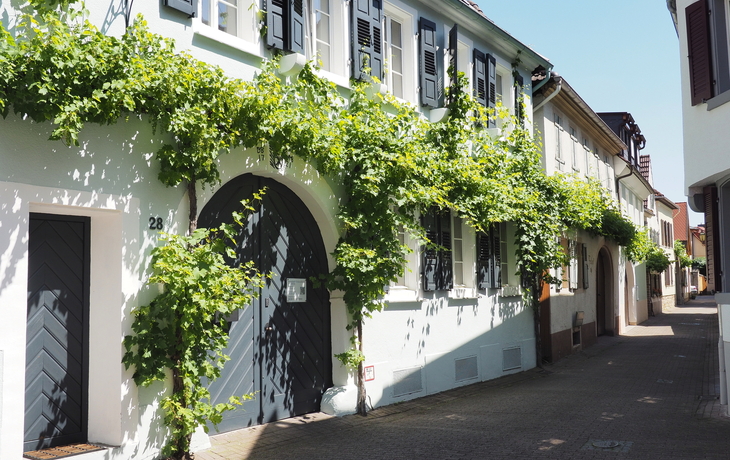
550 96
618 180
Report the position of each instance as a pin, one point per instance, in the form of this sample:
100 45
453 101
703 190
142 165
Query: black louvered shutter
296 26
519 82
484 256
188 7
496 260
453 59
275 24
367 40
428 63
430 255
446 265
700 53
492 87
480 77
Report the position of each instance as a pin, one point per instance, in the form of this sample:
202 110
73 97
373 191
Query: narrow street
652 393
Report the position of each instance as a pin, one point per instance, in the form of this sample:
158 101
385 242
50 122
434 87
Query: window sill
227 39
718 100
463 292
400 294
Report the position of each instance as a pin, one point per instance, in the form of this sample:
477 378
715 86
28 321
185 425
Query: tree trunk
362 407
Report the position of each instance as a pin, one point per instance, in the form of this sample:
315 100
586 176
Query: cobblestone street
649 394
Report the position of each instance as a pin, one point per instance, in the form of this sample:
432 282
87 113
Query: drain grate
605 445
61 451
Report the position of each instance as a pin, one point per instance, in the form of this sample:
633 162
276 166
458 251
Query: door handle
268 327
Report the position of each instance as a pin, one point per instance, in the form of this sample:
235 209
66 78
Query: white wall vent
511 358
406 381
466 368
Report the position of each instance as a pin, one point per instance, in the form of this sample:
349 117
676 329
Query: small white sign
296 290
369 373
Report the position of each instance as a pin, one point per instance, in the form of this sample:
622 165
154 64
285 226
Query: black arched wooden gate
280 345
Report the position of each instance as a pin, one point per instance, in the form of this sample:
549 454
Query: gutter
559 80
618 180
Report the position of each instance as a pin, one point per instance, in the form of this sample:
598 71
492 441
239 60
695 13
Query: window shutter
430 255
275 24
446 268
586 272
700 54
296 26
496 260
519 82
492 87
453 59
367 45
188 7
480 77
428 63
484 255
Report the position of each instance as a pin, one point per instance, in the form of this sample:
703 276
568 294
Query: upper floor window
394 56
558 140
708 50
321 20
234 17
573 145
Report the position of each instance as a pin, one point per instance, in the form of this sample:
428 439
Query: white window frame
406 16
558 122
406 288
574 148
467 264
247 33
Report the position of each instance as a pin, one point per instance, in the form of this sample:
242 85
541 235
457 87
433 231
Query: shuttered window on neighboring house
188 7
491 246
479 82
573 268
367 45
437 268
431 82
699 50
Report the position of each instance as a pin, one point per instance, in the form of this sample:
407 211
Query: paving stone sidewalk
649 394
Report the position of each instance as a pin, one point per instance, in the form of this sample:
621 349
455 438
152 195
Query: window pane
323 27
396 60
227 20
323 54
458 252
398 86
205 11
322 5
396 33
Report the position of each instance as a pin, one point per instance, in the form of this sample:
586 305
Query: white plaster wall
432 333
706 137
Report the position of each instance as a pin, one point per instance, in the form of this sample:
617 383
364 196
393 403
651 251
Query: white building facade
102 207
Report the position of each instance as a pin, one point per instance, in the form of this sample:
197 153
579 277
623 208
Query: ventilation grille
407 381
466 368
511 358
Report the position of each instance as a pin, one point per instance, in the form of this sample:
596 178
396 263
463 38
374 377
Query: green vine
389 161
681 253
184 328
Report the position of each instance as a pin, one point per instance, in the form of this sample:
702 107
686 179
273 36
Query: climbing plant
387 160
184 329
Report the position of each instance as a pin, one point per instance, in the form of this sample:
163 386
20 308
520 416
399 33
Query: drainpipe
552 95
618 179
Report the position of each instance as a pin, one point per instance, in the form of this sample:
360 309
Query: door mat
61 451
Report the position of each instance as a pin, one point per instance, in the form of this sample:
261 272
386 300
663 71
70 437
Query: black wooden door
56 373
279 349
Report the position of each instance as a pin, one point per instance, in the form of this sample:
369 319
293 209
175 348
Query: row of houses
79 224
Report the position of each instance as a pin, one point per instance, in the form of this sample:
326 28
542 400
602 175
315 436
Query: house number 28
155 223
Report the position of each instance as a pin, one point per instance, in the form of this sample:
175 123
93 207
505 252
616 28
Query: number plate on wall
296 290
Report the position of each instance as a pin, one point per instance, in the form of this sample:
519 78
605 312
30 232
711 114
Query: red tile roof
681 223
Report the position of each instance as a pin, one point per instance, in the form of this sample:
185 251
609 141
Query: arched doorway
280 346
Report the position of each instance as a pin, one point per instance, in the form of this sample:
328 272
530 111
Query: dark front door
56 371
280 345
600 295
